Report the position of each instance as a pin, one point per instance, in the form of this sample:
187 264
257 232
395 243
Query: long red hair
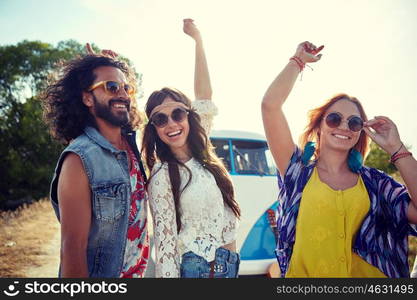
315 116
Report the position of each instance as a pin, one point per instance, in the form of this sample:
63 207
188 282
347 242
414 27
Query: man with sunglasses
98 187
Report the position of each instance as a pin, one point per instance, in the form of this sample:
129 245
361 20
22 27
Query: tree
28 154
380 159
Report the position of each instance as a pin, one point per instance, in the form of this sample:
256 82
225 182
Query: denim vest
107 171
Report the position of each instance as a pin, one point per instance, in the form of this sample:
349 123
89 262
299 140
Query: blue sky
370 48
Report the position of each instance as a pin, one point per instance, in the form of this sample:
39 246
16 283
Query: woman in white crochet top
190 191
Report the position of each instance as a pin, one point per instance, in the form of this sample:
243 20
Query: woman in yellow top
337 218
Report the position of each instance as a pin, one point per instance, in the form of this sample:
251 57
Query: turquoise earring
355 160
309 150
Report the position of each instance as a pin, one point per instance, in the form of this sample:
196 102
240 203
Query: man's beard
104 112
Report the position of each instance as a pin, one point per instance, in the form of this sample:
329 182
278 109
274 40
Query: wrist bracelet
299 62
397 156
397 150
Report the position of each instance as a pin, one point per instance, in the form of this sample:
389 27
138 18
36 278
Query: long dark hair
200 146
64 110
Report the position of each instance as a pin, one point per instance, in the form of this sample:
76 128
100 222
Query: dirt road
48 260
30 243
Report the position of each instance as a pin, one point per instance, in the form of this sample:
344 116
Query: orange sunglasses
113 87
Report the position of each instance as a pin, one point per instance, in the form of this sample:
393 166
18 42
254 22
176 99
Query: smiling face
174 134
113 108
340 138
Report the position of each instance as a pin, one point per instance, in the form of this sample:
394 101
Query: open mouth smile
340 136
120 105
174 133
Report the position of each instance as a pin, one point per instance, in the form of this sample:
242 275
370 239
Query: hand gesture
308 52
191 29
109 53
385 133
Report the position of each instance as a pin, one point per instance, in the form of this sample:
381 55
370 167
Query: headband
168 104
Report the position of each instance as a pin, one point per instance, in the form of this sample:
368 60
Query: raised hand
308 52
191 29
109 53
384 132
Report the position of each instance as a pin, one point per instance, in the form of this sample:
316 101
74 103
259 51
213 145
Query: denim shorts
225 265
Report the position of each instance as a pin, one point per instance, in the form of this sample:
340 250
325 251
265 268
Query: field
29 242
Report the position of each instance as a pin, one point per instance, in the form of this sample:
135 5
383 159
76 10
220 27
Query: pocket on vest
109 203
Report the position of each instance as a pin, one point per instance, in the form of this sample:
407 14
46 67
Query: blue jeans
225 265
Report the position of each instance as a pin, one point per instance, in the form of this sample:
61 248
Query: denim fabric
107 171
226 265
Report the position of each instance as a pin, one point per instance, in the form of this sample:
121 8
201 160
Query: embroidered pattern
207 223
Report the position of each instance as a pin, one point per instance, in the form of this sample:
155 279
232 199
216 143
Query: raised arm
91 51
202 85
276 127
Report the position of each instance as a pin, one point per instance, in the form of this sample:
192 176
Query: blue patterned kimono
382 240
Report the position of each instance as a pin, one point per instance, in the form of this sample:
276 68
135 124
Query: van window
271 163
252 157
223 151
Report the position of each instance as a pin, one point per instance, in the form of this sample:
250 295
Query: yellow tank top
327 223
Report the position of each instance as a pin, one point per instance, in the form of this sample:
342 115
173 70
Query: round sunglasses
334 120
178 115
113 87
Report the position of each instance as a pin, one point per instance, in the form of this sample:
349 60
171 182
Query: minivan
253 172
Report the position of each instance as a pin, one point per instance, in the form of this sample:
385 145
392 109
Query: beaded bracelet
397 156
